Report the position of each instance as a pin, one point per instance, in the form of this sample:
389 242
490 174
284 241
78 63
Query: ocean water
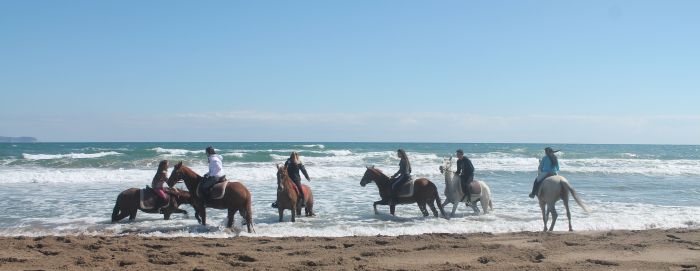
70 188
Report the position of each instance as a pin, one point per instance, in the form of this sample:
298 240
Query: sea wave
234 154
176 152
69 155
320 146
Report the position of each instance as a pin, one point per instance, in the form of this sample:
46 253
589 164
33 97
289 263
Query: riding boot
302 199
535 185
468 196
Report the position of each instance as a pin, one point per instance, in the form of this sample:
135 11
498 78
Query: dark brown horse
288 197
237 198
128 203
425 192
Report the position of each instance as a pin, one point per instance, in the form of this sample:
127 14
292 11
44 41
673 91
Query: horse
288 197
550 191
129 202
425 192
453 191
237 198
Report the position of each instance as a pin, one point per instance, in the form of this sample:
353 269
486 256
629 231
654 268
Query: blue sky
420 71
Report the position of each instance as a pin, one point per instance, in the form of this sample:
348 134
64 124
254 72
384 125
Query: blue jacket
546 165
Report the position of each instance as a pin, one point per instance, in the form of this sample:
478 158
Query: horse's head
282 175
370 175
176 175
446 165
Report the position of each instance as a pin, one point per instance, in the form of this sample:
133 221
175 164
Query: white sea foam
234 154
320 146
69 155
176 152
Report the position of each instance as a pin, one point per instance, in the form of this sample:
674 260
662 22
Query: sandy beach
675 249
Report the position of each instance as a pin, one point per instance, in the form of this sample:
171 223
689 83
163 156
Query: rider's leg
301 192
535 185
395 187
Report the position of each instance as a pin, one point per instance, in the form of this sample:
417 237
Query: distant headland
22 139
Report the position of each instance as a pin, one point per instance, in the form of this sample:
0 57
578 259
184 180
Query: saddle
216 191
406 190
148 199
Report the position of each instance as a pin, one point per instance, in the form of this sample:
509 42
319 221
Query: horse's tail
485 189
116 210
249 212
438 200
578 200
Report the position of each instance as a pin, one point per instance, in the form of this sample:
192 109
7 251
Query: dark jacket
293 170
404 169
465 168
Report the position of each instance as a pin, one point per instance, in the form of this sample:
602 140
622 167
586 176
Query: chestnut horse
288 197
128 203
425 192
237 198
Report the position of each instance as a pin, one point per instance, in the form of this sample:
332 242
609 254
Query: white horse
550 191
453 191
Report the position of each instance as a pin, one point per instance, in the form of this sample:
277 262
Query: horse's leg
432 207
454 208
294 215
231 213
552 209
475 207
122 214
544 215
203 215
309 209
447 200
375 206
392 208
423 209
485 204
565 199
281 211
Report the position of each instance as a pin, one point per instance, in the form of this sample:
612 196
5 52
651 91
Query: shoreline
655 249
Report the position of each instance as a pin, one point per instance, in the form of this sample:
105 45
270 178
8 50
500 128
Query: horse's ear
178 165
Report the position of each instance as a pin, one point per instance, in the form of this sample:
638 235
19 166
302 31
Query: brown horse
128 203
425 192
288 197
236 199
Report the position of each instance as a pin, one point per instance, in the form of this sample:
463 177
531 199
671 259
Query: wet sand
675 249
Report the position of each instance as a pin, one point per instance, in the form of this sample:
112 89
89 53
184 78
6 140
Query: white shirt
215 165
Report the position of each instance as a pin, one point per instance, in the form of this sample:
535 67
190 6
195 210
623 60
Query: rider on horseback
465 171
294 165
549 166
215 173
400 177
157 184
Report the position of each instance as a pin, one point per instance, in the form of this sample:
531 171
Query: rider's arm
303 170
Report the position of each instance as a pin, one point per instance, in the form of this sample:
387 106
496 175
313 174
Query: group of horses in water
237 198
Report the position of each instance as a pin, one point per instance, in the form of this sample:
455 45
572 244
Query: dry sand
676 249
